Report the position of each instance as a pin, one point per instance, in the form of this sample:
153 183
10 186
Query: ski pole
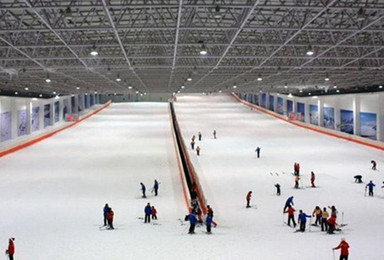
310 224
342 218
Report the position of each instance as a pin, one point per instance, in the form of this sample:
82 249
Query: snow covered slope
228 169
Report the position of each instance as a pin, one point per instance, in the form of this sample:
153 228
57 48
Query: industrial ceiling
165 46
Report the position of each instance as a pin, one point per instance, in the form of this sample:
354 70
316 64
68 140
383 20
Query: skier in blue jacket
147 211
370 186
208 223
105 212
192 220
289 202
156 187
302 219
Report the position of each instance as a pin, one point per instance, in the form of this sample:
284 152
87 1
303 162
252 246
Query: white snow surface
52 193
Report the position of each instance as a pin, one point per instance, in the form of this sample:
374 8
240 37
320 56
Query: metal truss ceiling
154 45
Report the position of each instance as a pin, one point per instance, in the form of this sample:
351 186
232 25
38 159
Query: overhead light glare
189 78
48 80
310 51
380 86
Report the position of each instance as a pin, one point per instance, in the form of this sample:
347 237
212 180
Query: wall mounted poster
301 110
56 111
91 100
271 103
329 117
280 106
368 125
6 126
35 118
289 106
313 114
86 97
263 100
47 115
65 108
346 121
22 122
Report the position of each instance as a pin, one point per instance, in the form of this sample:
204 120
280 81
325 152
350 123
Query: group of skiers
155 188
194 217
108 216
322 218
150 211
197 149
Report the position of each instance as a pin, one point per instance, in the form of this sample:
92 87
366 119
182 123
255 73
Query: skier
110 215
208 223
318 214
289 202
199 136
193 138
313 180
248 198
192 221
331 222
154 212
147 211
209 211
291 215
373 165
297 178
11 248
105 212
324 216
370 186
278 192
343 246
156 187
193 144
143 189
258 152
214 134
296 168
302 219
358 178
333 211
198 151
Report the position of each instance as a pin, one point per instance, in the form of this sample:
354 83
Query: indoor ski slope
228 169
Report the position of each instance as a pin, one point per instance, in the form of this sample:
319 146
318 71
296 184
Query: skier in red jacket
343 246
11 248
291 212
248 198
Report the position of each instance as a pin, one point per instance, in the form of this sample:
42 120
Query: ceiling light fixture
203 50
380 86
189 78
94 51
16 93
118 79
77 88
183 87
26 88
334 86
259 78
47 79
234 86
285 85
310 51
217 13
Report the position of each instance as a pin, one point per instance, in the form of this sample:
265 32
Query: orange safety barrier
40 138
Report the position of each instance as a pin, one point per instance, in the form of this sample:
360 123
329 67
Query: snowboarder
297 178
214 134
318 214
373 165
248 198
105 212
370 186
313 180
154 212
110 215
278 191
198 151
291 216
296 168
11 248
192 221
147 211
199 136
324 216
258 152
358 178
302 219
343 246
193 144
156 187
289 202
208 223
143 189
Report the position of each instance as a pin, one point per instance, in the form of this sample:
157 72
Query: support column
337 115
275 103
380 118
306 111
76 104
267 101
320 107
259 97
285 111
52 112
356 115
